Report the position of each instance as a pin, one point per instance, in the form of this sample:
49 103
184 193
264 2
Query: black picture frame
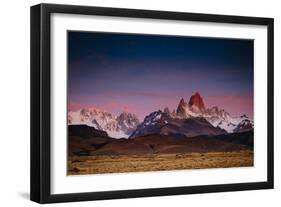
41 96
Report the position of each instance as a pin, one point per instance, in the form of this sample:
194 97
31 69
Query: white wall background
14 102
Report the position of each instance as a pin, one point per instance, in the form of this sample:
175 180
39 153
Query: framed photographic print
133 103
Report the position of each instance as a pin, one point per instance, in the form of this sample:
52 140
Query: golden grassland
81 165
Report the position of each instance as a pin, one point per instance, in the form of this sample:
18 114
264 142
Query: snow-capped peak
216 116
244 125
119 127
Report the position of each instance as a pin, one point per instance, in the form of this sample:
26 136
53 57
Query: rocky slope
117 127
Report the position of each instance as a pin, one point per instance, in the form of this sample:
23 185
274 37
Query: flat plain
97 164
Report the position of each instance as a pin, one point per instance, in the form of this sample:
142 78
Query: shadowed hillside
84 140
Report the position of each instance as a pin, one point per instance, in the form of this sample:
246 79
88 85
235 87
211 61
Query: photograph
148 102
133 103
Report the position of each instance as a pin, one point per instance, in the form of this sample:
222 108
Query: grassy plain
81 165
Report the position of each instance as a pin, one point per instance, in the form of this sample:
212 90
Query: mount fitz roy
190 119
215 116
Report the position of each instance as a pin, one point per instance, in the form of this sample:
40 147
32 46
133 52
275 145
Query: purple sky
144 73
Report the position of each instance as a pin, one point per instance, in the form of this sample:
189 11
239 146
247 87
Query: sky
142 73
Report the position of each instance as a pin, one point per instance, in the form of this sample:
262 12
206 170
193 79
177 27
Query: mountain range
189 119
116 127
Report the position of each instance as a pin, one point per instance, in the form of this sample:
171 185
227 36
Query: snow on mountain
116 127
127 122
217 117
163 123
190 119
243 126
224 120
185 110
